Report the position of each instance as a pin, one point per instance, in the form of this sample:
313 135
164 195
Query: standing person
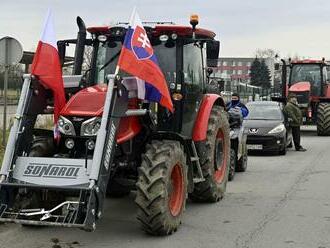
236 103
293 115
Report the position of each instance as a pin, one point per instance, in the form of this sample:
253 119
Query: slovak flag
46 65
137 58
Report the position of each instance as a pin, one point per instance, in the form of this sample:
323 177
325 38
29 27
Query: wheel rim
219 157
176 191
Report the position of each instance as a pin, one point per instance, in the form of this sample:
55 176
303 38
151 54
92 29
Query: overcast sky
289 26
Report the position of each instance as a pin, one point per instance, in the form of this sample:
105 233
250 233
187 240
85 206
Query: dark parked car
266 127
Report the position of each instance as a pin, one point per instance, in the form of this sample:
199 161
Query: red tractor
111 142
308 79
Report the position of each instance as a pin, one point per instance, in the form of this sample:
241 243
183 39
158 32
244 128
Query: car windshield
108 54
264 112
307 73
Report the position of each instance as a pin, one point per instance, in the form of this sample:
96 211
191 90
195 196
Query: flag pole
129 26
117 70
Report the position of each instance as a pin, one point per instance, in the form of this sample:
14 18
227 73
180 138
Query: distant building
238 69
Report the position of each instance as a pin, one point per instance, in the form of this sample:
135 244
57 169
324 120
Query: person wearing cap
236 103
293 115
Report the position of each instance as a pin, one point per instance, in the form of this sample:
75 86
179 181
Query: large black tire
232 167
323 119
214 163
162 187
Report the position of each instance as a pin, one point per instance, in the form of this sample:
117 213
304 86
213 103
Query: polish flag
46 65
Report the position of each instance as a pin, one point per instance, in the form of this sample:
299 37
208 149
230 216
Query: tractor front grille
303 97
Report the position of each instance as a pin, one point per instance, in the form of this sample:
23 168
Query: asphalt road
281 201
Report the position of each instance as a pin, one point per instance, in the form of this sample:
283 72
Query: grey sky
289 26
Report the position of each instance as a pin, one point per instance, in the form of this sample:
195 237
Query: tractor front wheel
162 187
323 119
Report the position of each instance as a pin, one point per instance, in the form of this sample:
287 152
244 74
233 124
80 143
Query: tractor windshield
307 73
108 54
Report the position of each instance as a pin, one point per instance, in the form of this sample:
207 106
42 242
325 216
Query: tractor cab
183 53
307 79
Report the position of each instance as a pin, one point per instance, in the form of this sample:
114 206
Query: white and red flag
46 65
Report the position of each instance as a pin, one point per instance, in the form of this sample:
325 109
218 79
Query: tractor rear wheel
323 119
162 187
214 159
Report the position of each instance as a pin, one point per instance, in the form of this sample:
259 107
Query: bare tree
266 53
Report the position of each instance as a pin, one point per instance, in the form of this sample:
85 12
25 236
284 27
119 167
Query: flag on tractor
137 57
46 65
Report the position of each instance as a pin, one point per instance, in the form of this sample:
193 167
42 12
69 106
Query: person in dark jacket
236 103
293 115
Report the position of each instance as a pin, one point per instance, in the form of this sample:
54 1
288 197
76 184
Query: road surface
281 201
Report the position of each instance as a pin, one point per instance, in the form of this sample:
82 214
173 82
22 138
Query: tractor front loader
111 142
40 187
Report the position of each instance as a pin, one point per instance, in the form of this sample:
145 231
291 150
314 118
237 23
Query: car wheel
283 151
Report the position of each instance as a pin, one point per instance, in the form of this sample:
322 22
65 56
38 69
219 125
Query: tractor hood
300 87
87 102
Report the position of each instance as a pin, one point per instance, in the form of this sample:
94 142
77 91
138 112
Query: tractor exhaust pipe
80 46
284 77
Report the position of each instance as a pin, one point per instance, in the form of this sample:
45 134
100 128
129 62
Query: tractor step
195 159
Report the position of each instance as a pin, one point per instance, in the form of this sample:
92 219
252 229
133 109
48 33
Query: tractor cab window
108 55
166 56
193 65
325 74
307 73
107 58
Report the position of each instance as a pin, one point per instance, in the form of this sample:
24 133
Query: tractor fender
201 122
129 127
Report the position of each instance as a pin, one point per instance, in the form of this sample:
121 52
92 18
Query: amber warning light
194 20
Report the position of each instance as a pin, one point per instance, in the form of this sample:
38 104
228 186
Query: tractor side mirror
277 66
61 46
209 71
212 53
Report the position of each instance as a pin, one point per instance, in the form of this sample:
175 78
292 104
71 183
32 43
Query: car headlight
65 126
278 129
90 127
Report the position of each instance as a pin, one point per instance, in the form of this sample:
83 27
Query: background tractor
308 79
111 142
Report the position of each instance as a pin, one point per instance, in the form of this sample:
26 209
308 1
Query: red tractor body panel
308 61
300 87
200 127
89 102
162 29
128 128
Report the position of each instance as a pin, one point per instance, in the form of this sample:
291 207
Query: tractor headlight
65 126
90 127
278 129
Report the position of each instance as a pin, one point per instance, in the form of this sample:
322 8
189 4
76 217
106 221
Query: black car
266 127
